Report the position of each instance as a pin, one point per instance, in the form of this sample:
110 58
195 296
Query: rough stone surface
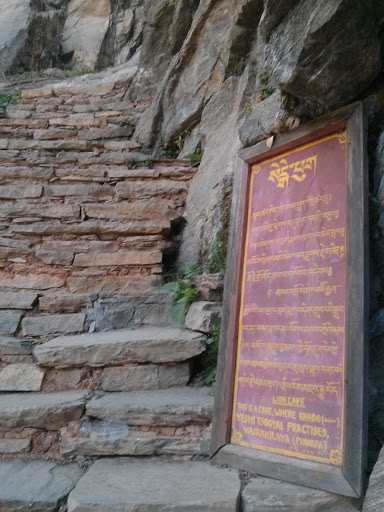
10 300
267 495
41 410
9 321
55 324
21 377
155 487
10 346
142 377
374 499
203 316
36 485
170 407
314 49
12 446
146 344
111 439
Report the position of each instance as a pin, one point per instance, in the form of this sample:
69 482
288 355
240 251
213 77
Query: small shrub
196 157
266 88
185 293
216 256
6 100
208 361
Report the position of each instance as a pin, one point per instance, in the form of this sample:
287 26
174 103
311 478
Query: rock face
85 28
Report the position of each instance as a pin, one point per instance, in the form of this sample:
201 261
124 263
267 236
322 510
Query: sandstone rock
203 316
8 446
155 486
42 92
9 300
106 285
53 324
294 59
210 286
133 212
52 211
54 134
9 321
65 303
21 377
169 407
14 347
31 281
267 495
55 258
44 485
84 30
143 377
374 497
107 438
20 191
147 344
118 258
41 410
145 189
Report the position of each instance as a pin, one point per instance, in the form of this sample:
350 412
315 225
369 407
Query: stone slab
203 316
9 321
268 495
9 300
8 446
53 324
41 410
10 346
146 344
144 377
36 486
21 377
168 407
117 485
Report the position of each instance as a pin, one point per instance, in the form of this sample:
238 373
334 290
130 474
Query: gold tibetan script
282 172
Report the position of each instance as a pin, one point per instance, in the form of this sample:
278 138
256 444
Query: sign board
290 396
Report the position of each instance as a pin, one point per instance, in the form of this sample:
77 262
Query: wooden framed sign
291 378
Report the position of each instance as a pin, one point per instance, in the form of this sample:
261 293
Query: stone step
143 345
174 407
49 411
95 438
116 485
36 486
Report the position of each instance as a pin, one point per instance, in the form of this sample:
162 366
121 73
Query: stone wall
85 217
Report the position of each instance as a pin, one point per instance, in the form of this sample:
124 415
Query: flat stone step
143 345
168 407
116 485
36 486
41 410
106 438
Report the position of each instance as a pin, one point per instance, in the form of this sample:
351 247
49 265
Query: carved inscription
289 384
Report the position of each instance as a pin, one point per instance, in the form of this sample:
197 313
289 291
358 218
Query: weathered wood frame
348 480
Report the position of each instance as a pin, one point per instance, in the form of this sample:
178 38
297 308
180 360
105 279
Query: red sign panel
289 384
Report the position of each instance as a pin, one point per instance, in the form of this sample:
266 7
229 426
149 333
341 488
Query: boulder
374 499
203 316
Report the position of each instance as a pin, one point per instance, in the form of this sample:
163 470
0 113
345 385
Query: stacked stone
83 213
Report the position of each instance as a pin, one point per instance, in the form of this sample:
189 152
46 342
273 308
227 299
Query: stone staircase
91 366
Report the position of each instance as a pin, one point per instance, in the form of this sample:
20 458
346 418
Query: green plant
185 293
266 88
196 157
192 270
126 124
216 256
208 361
6 100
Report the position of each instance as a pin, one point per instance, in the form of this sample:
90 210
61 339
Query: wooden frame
349 479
